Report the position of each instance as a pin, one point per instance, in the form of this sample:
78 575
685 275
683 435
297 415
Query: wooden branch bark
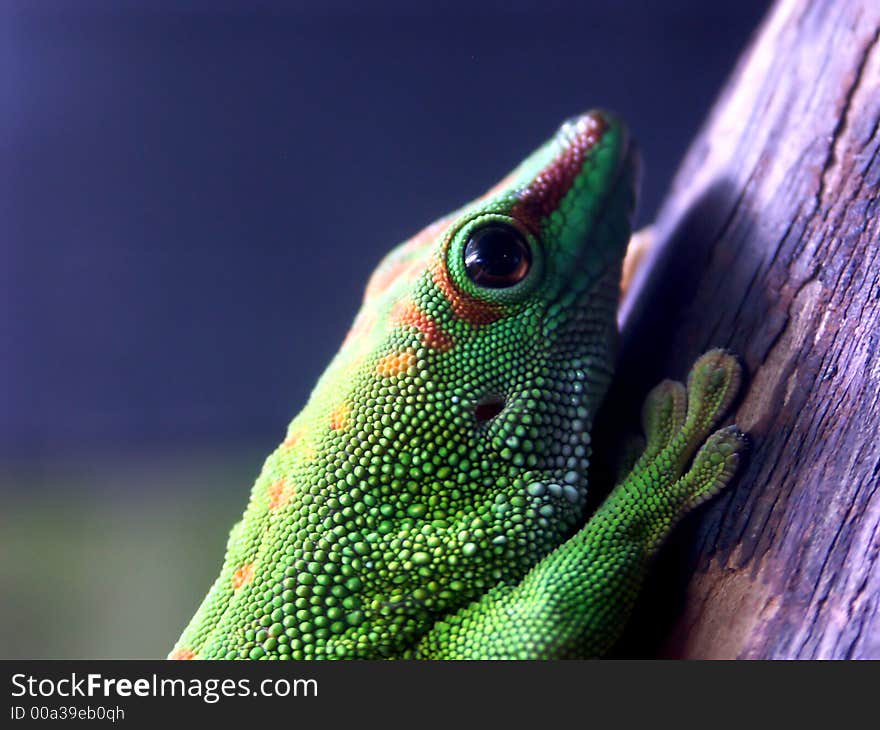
768 244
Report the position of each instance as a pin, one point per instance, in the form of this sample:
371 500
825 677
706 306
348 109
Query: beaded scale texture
430 492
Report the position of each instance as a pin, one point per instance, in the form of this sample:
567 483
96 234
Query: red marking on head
466 307
548 187
280 494
242 576
182 654
406 312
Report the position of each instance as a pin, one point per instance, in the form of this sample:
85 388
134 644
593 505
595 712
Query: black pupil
497 256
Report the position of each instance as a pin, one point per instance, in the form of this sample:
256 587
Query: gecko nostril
488 408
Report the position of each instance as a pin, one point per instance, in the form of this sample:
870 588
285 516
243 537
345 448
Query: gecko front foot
677 421
575 602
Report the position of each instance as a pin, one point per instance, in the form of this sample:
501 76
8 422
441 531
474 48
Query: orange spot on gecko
466 307
407 313
396 363
280 494
339 416
182 654
242 576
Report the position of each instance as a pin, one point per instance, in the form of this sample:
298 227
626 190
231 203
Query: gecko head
549 232
525 280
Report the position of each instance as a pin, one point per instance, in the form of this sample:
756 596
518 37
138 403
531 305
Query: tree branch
768 245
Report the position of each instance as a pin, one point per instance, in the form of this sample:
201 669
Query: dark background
192 196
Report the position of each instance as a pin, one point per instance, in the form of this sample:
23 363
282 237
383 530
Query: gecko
429 500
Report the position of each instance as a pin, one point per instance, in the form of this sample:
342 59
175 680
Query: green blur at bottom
92 568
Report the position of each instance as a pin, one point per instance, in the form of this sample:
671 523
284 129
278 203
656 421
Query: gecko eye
497 256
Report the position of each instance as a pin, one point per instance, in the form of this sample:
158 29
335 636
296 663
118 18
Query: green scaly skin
429 500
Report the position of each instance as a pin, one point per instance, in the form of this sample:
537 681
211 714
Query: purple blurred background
192 196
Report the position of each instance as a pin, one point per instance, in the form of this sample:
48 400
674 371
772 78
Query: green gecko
429 501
